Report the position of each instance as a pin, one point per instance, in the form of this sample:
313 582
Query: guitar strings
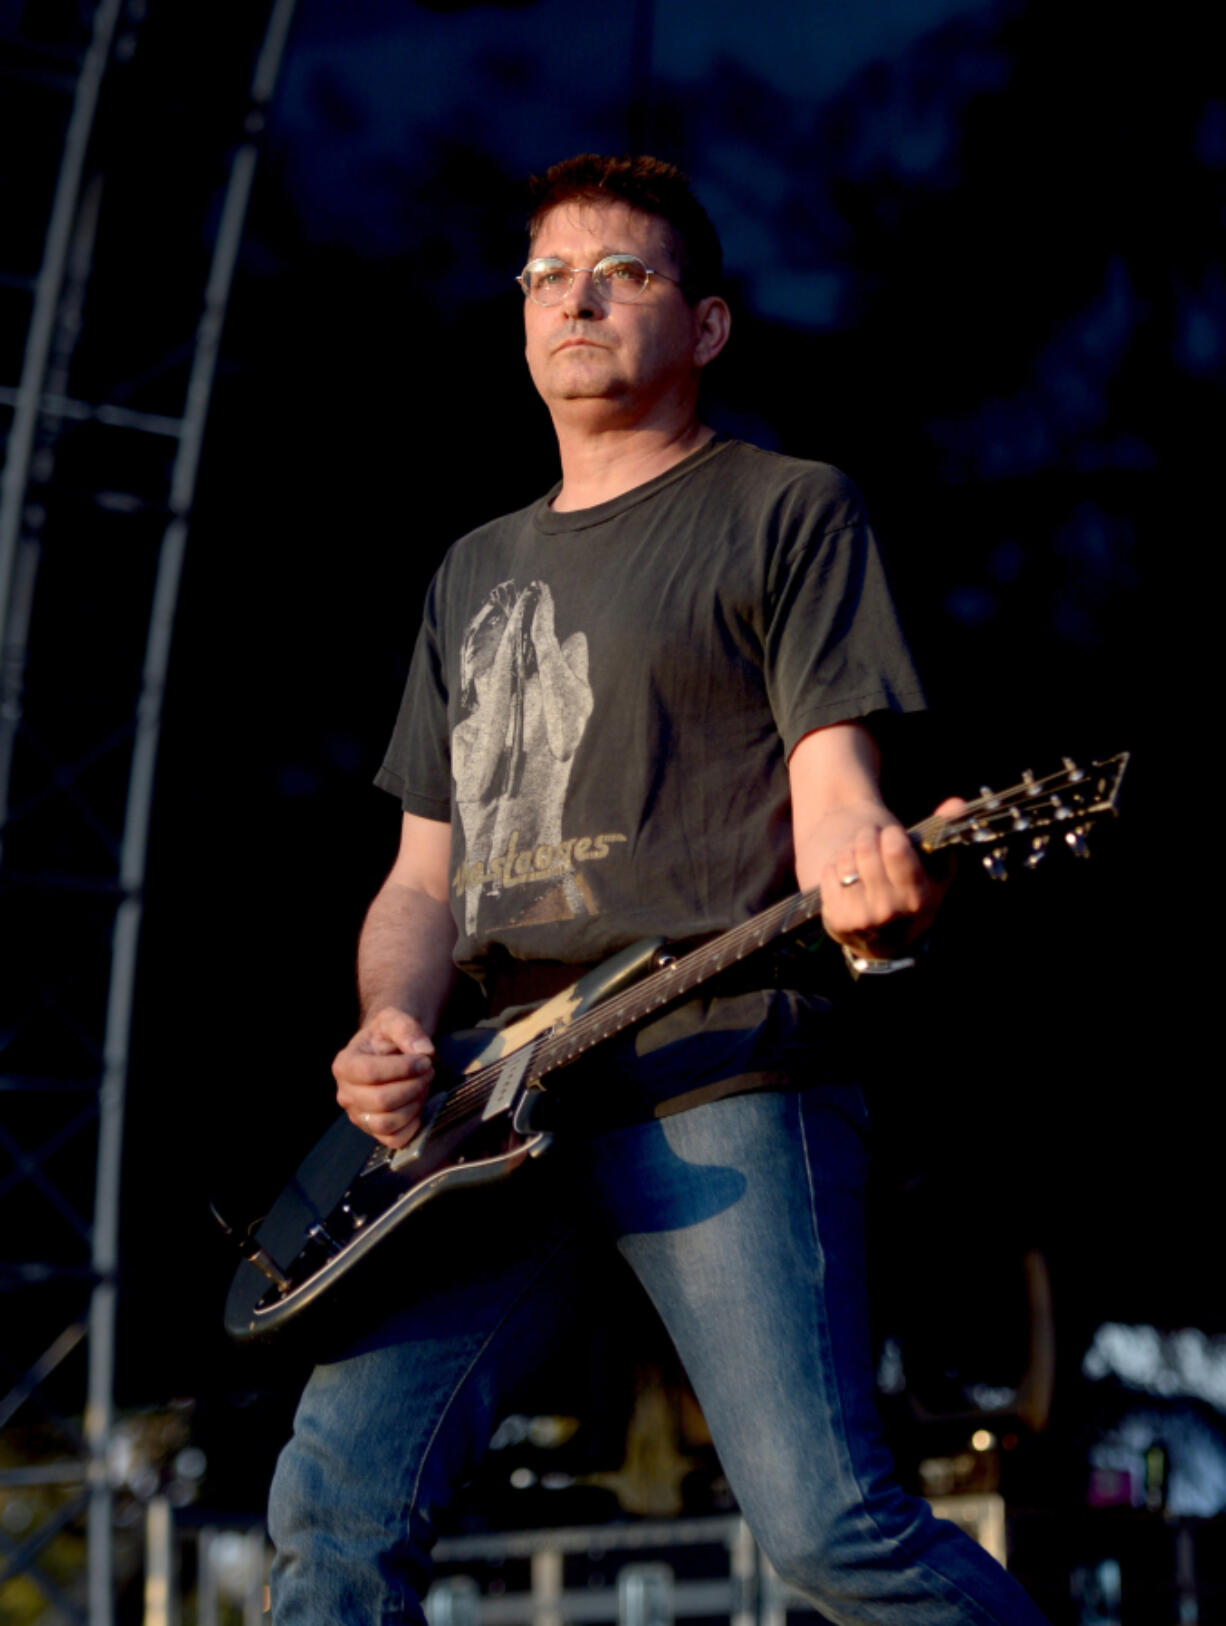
733 946
621 1010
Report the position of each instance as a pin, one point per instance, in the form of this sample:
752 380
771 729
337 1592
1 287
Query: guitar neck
690 971
674 981
1030 811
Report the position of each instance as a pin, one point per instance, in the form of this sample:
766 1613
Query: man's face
631 356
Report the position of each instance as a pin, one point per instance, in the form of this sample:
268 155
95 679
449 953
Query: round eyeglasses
619 277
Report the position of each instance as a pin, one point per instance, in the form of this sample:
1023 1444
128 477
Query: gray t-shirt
602 702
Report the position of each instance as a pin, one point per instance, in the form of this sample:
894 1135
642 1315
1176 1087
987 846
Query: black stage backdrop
972 256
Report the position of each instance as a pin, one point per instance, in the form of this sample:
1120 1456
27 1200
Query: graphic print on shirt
526 702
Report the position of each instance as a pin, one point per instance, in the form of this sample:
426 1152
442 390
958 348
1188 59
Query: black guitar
477 1125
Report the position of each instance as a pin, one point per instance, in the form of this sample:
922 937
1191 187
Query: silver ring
366 1119
849 880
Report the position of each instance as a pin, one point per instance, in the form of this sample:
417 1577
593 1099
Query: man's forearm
404 954
822 840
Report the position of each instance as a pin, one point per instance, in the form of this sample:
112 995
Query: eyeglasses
619 277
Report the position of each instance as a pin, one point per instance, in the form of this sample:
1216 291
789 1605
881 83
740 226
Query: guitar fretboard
1071 796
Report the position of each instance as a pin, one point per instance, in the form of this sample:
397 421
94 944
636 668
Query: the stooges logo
516 866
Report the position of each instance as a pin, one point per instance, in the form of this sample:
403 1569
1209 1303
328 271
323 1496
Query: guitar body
349 1192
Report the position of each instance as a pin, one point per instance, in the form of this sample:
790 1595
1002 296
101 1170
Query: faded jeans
744 1221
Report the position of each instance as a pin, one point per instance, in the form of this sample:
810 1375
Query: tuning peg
994 863
1077 843
1038 852
1073 771
1020 823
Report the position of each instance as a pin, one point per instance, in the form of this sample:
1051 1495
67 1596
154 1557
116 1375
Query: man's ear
712 325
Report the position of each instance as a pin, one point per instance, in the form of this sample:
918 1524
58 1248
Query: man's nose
582 298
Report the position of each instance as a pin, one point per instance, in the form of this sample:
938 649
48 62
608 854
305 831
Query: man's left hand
878 897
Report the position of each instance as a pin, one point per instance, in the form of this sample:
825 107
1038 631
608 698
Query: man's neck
597 468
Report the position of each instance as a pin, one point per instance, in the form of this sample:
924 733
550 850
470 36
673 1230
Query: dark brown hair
650 185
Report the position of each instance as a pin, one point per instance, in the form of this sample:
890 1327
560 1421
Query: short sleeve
417 766
834 649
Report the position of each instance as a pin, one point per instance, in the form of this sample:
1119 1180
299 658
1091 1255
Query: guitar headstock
1030 815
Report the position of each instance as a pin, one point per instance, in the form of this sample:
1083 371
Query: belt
527 982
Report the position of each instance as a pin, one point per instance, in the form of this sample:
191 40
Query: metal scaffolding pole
116 1048
18 564
111 885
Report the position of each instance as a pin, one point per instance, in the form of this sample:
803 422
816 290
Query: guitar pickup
509 1080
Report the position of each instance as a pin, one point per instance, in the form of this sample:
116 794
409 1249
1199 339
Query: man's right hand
383 1075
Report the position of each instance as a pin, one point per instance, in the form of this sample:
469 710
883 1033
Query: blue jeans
744 1221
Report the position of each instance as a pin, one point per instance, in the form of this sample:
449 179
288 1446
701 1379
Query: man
639 707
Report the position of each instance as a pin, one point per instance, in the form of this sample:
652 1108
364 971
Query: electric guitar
476 1127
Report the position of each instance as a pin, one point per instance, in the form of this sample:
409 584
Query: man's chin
574 375
585 383
591 406
584 373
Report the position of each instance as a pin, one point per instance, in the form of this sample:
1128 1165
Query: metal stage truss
95 507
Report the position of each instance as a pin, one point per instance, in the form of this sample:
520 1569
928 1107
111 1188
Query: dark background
975 261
